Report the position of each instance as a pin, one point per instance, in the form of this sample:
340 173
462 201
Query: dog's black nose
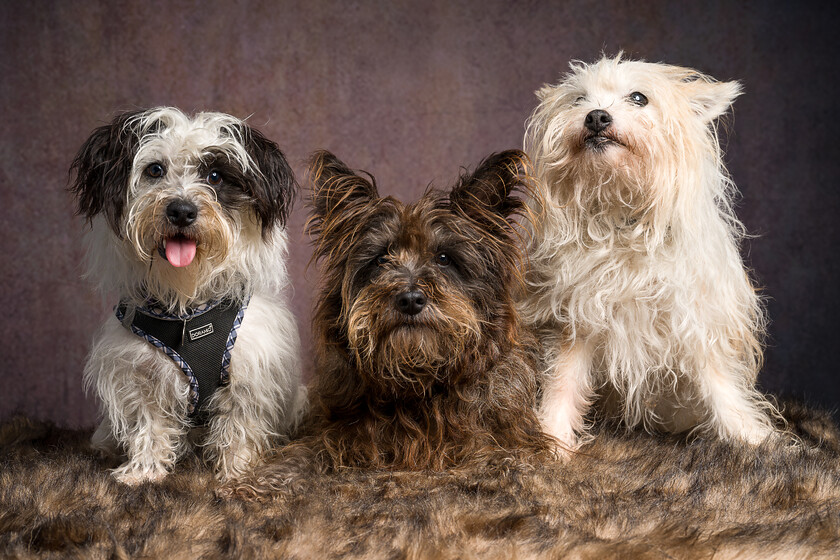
411 303
597 120
181 213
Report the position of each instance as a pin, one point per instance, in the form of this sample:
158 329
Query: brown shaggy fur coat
626 495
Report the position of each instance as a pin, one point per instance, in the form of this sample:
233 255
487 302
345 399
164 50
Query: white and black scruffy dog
637 285
188 228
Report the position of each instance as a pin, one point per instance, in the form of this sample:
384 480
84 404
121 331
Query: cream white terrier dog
637 285
187 222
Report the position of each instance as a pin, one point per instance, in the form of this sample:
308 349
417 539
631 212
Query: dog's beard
404 356
610 188
608 194
214 233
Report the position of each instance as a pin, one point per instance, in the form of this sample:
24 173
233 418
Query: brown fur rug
627 495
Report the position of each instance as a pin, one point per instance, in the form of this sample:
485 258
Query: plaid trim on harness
199 344
234 332
154 309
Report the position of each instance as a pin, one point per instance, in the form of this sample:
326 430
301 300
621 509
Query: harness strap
199 342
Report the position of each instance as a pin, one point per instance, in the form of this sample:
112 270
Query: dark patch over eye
228 181
214 178
443 259
155 170
365 267
638 99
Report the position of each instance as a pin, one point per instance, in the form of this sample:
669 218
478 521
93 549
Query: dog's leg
144 399
736 411
264 397
567 395
152 443
242 426
240 430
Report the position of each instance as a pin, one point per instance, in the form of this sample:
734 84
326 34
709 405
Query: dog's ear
272 184
488 194
710 99
335 187
103 169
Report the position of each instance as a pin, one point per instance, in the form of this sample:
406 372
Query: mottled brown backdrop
410 91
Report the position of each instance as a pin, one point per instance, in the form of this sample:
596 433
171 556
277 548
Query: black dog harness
199 342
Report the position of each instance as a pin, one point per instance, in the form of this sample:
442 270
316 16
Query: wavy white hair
636 281
240 252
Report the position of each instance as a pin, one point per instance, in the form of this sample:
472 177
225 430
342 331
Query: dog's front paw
132 476
754 433
234 463
565 442
565 447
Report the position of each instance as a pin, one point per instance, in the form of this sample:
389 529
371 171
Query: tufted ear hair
272 184
335 187
103 168
487 195
710 99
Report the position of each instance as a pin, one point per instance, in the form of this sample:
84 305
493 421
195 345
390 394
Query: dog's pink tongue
180 251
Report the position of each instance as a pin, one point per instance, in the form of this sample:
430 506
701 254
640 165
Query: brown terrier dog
422 362
421 359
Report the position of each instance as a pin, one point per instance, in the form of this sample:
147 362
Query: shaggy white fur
143 392
636 280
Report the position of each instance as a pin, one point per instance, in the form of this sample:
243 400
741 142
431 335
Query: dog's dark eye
579 100
214 178
381 260
155 171
638 99
443 259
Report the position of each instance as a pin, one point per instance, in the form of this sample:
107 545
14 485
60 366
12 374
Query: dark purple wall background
410 92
